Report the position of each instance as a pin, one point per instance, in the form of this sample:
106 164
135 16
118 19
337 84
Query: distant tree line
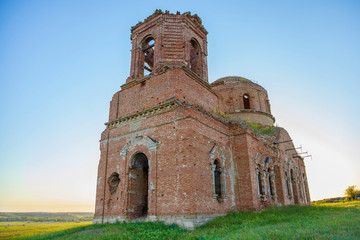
46 217
351 194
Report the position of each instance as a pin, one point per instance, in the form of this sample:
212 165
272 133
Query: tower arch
148 54
195 57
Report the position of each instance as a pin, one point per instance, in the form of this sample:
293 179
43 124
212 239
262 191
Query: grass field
323 221
13 230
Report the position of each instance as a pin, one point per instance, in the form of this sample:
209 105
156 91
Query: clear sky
61 62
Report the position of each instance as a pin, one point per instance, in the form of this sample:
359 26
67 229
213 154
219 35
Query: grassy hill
322 221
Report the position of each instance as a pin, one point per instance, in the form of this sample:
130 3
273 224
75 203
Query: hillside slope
338 221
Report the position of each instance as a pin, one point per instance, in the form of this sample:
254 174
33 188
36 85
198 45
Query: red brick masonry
180 150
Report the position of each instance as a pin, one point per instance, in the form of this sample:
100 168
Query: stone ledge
162 68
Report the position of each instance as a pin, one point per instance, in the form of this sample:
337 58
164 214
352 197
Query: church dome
236 80
243 99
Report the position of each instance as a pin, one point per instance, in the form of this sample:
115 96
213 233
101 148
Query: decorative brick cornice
169 105
174 103
161 108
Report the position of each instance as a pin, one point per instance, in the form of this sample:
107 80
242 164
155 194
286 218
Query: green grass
13 230
262 129
325 221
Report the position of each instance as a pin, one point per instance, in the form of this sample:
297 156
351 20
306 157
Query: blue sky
61 62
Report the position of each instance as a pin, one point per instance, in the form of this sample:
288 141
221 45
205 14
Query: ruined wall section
114 106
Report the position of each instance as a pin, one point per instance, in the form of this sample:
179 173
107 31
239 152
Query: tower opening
195 57
138 188
148 49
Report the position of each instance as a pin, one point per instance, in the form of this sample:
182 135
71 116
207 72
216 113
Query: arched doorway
138 187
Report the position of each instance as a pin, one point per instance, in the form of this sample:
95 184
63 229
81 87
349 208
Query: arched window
287 185
294 188
148 49
246 100
260 184
292 180
271 185
217 176
195 57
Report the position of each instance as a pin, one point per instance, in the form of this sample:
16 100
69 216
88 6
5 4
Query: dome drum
253 116
243 99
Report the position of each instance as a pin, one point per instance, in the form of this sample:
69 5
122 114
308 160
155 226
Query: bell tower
168 40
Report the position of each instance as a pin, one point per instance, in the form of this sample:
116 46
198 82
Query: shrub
351 192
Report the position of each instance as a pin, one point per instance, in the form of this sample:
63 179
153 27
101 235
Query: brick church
181 150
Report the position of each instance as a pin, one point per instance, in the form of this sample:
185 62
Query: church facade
180 150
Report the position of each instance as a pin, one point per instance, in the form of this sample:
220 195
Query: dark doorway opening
217 174
139 186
